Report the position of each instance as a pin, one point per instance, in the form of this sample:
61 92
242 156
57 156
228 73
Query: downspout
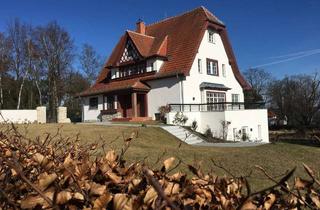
181 90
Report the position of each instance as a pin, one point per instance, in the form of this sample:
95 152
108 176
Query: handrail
219 106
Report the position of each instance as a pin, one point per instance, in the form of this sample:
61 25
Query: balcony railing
215 107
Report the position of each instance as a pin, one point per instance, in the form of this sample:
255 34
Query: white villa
186 62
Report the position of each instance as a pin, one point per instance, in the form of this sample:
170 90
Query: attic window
211 37
130 53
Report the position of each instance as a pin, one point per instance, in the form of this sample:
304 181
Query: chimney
141 27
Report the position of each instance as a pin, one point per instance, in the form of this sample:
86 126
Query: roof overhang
213 86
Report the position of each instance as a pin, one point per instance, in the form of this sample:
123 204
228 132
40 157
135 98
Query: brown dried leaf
63 197
31 202
78 196
102 201
67 161
270 199
39 158
315 198
301 184
248 205
168 163
97 189
150 196
119 201
46 179
111 156
116 179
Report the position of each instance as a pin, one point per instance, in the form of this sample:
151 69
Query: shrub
194 125
180 119
163 110
208 133
57 173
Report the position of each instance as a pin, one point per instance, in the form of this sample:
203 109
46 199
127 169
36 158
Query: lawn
152 142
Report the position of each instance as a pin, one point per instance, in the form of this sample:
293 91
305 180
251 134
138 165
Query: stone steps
183 134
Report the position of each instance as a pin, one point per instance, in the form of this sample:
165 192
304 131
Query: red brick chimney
141 27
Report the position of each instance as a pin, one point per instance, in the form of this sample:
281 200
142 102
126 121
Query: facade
186 59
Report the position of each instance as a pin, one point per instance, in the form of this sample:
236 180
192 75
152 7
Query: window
211 37
93 103
216 97
129 70
110 102
212 67
224 70
199 66
235 98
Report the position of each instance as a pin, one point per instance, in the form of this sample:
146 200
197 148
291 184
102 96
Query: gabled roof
177 40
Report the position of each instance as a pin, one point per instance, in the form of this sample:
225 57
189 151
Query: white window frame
211 37
212 67
215 97
235 98
199 65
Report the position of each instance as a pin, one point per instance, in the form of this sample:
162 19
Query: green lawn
152 142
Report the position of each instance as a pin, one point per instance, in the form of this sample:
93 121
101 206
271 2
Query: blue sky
261 32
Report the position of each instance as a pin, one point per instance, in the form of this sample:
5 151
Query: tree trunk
1 93
39 91
20 93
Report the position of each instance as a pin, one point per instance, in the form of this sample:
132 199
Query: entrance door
141 105
259 132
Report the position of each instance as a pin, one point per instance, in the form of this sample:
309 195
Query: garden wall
24 115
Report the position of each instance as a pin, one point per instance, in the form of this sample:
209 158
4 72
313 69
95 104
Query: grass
152 142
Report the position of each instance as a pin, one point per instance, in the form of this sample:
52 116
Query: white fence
24 116
252 122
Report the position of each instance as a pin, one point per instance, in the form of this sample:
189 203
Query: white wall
163 92
238 119
18 116
91 114
251 118
217 52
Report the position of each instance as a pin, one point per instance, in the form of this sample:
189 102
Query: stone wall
109 117
62 115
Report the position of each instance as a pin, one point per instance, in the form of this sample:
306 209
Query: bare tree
56 53
4 62
90 62
297 97
17 33
259 79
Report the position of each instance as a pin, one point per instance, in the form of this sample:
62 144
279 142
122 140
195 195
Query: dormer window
211 37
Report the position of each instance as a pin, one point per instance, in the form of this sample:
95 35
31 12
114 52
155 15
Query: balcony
215 107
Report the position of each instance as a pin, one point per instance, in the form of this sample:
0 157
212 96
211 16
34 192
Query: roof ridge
172 17
141 34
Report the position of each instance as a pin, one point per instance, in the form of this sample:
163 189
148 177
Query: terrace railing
215 107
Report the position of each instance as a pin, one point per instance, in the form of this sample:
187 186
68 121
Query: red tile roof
177 39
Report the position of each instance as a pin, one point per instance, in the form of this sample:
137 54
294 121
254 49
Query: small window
211 37
235 98
93 103
224 70
110 102
212 67
199 66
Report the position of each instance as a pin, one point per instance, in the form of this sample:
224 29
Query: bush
163 110
180 119
57 173
208 133
194 125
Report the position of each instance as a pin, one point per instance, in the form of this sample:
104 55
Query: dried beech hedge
59 173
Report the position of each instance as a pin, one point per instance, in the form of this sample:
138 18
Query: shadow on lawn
304 142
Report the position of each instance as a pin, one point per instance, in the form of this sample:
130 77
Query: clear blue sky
260 31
